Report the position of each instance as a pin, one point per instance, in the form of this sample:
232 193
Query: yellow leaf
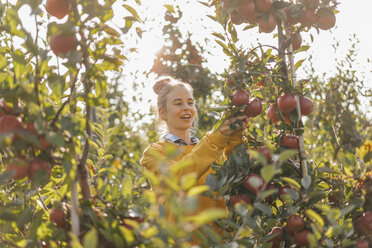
152 231
292 182
208 216
197 190
128 235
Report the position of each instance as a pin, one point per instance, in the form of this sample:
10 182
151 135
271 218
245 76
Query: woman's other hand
240 123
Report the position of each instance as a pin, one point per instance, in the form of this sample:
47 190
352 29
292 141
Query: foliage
67 112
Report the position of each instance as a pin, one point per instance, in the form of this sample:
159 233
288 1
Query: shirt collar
178 141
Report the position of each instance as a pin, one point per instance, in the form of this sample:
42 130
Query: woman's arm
209 149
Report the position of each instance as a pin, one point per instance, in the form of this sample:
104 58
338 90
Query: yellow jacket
201 155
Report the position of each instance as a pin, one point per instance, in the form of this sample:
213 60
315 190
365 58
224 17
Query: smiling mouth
186 117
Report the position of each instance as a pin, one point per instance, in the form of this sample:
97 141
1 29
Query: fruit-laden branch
301 144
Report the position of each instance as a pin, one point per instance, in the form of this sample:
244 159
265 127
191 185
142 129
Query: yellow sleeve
208 150
234 140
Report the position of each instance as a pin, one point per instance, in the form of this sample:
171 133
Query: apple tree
279 193
57 181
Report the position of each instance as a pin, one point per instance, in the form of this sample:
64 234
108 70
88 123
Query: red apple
287 103
271 114
367 220
301 237
10 123
326 21
254 108
58 216
279 235
263 5
361 228
267 23
36 165
253 183
240 97
311 4
295 224
247 10
362 244
234 199
289 141
308 18
306 105
20 167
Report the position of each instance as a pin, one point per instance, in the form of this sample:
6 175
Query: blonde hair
162 88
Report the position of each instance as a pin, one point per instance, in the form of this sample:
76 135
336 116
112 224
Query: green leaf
127 187
268 172
286 154
347 210
302 49
263 208
368 157
6 176
299 63
212 234
90 239
218 35
222 45
249 27
133 12
74 241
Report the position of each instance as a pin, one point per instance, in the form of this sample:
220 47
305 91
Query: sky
354 17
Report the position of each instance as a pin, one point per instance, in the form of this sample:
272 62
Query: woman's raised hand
240 122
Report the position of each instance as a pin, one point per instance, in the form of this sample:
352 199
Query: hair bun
160 84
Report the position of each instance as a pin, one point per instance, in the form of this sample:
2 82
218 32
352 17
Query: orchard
70 174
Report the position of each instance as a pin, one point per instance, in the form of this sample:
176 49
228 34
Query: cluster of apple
13 126
309 13
253 12
60 43
253 106
295 228
285 105
295 225
306 12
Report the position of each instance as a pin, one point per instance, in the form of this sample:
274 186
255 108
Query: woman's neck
183 134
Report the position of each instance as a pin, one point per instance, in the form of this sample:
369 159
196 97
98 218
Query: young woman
176 107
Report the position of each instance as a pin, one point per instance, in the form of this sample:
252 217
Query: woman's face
180 109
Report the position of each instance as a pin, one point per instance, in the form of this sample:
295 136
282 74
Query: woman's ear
162 114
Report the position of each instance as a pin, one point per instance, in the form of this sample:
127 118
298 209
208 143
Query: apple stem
75 226
301 143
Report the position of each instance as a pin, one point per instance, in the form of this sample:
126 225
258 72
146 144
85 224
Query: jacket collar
178 141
